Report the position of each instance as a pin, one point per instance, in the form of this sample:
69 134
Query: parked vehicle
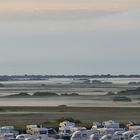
6 136
118 135
52 133
136 137
23 136
30 128
107 137
128 135
134 128
82 135
67 128
110 124
105 124
94 137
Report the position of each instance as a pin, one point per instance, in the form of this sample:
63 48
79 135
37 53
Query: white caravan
136 137
83 134
134 128
68 128
23 136
94 137
110 124
107 137
128 135
6 136
105 124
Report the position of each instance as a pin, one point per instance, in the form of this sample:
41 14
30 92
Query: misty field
90 104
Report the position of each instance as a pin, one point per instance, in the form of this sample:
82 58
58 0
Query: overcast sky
69 37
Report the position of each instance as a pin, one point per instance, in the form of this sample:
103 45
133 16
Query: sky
69 37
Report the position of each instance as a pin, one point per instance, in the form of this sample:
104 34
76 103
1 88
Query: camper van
107 137
94 137
67 128
30 128
110 124
134 128
136 137
128 135
23 136
105 124
82 135
6 136
7 129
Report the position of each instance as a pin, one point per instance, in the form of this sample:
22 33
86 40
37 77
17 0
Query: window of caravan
9 136
42 132
52 131
84 135
21 137
68 131
96 138
77 136
131 135
109 137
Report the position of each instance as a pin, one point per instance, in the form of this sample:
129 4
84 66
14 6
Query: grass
49 116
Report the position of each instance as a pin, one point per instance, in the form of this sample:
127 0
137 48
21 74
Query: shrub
69 119
45 94
122 98
1 85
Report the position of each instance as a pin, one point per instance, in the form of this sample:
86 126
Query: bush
72 94
110 94
1 85
69 119
130 92
63 106
22 94
45 94
122 98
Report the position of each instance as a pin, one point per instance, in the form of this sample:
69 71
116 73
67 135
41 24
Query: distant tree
45 94
122 99
1 85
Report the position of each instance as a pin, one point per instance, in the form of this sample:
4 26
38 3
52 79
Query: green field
50 116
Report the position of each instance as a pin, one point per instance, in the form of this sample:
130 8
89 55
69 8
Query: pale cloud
83 21
14 6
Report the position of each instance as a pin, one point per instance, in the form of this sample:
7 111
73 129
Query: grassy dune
49 116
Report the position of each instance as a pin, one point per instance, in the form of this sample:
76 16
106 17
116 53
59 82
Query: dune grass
49 116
